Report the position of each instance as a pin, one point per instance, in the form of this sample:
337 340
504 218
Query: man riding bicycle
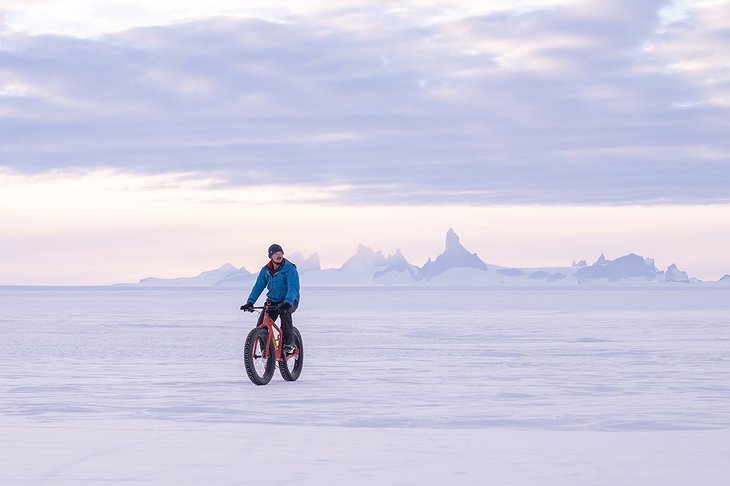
280 276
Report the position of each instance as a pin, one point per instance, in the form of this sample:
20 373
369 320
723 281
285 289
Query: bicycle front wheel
259 364
290 366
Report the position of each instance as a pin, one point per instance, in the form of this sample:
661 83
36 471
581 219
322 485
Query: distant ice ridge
454 256
456 266
673 274
226 272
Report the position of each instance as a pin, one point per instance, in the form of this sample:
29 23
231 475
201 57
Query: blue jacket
283 284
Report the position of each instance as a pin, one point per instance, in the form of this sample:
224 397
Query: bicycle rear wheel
290 366
260 369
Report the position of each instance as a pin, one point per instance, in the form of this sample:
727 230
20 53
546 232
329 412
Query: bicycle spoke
259 361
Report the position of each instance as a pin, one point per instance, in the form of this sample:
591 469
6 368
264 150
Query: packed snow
400 386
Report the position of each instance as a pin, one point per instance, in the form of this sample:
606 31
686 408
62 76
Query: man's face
277 257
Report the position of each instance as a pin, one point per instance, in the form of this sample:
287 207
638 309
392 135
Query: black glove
285 307
248 307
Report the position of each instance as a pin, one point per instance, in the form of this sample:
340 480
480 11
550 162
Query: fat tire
259 334
293 374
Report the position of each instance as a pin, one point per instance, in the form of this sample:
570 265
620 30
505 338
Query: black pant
286 322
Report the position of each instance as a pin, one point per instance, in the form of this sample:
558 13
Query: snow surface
400 386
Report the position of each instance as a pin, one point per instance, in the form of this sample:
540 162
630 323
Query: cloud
696 47
589 102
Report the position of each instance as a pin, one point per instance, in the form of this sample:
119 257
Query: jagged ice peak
452 240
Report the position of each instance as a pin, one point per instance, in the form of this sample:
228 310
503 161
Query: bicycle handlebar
263 307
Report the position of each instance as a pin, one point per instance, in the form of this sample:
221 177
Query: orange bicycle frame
270 325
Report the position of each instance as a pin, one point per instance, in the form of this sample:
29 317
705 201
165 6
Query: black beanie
274 248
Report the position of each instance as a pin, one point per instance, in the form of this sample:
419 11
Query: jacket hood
286 266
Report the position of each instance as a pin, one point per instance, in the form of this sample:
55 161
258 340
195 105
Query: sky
165 138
